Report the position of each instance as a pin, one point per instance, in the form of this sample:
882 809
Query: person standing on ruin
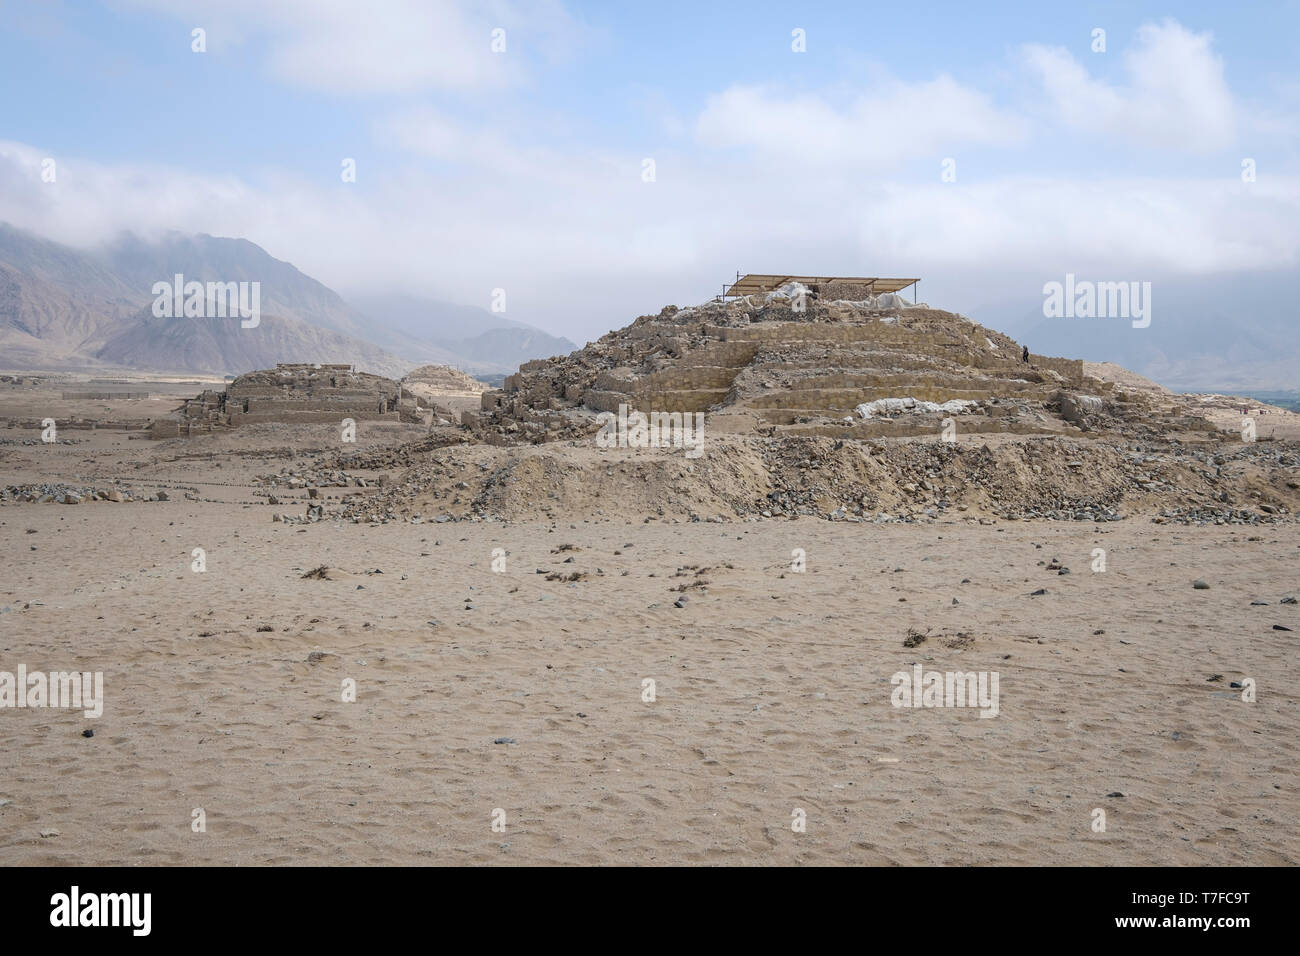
1024 354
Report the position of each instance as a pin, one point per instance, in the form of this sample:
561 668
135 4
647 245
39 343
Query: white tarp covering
791 290
886 300
891 300
888 406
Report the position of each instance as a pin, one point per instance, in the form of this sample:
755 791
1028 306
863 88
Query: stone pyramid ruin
795 363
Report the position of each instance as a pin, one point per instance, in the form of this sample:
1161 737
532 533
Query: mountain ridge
62 306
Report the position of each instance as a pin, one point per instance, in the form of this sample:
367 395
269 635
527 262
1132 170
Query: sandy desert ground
479 691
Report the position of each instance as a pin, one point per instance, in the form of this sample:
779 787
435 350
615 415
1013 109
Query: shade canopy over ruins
758 283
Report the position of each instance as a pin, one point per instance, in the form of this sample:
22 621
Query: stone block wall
1069 369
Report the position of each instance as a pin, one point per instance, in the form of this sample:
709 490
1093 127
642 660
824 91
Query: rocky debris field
40 441
741 478
61 493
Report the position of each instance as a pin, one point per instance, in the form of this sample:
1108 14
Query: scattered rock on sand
914 638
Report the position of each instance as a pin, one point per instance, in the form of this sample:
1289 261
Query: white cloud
385 46
89 201
1117 227
879 129
1176 96
583 245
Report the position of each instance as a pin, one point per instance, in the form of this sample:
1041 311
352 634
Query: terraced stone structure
294 394
763 365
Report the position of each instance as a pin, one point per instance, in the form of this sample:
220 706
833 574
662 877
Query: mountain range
1230 333
62 307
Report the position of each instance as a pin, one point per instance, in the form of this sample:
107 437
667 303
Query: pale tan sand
773 688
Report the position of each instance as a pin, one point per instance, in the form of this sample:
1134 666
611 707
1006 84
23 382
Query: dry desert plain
480 691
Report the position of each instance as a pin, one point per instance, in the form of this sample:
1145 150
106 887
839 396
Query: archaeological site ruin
796 361
297 394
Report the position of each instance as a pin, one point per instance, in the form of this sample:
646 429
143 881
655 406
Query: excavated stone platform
768 367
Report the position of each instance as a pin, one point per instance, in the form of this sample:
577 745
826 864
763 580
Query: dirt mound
443 379
741 478
1110 372
840 410
760 366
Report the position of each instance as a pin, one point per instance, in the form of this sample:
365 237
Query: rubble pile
763 365
868 410
1062 479
62 493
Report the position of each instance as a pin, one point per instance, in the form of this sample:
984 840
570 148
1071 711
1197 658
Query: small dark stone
504 740
87 732
1200 585
1040 591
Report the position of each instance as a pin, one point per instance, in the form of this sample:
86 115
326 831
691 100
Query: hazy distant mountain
430 319
63 307
510 348
1229 334
286 292
222 346
481 341
55 300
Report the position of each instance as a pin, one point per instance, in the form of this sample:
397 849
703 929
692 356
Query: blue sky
523 169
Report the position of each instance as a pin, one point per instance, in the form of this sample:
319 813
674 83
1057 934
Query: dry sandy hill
763 367
781 393
442 381
1225 412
